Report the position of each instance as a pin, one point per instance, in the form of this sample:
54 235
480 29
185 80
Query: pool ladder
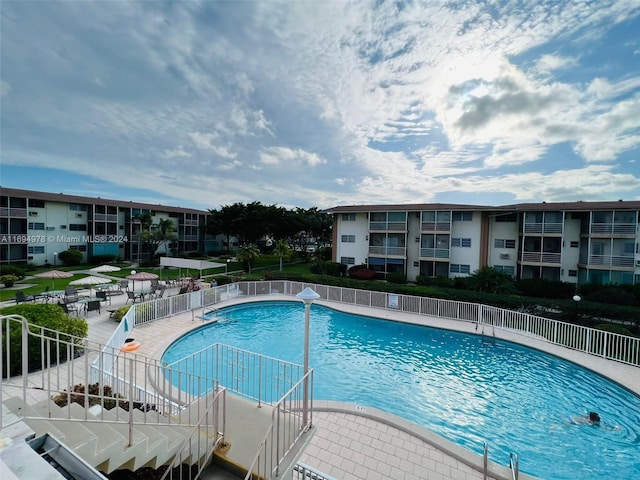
514 463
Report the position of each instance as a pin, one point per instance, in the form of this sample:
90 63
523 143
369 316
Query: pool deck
355 442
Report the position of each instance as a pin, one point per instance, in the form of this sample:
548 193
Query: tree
282 249
162 233
489 280
247 254
145 220
70 257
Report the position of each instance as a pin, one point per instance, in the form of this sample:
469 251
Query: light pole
133 287
55 259
576 298
308 295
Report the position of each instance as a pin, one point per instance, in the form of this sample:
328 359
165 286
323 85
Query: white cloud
5 88
288 156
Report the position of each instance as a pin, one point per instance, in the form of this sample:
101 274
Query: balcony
13 212
541 257
384 250
614 228
611 261
434 253
435 226
386 226
543 228
101 217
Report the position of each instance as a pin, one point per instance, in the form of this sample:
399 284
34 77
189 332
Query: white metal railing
286 428
514 465
302 471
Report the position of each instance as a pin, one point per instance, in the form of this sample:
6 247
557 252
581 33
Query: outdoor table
50 294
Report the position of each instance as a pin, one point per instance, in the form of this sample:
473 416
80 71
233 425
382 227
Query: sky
322 103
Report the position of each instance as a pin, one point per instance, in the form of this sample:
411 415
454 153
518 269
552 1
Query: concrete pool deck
353 442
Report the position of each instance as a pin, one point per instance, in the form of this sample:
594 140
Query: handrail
514 465
485 461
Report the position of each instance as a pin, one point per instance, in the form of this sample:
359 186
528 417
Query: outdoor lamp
308 295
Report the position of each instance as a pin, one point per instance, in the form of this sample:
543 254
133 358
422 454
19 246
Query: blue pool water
457 385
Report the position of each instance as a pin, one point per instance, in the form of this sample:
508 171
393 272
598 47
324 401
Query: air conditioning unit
78 215
33 214
51 228
504 256
637 263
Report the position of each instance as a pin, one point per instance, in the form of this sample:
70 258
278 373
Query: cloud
5 88
287 156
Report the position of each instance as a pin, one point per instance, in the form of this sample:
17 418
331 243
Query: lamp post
308 295
133 287
576 298
55 258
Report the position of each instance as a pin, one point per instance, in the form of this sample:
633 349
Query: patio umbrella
53 274
141 276
90 281
105 269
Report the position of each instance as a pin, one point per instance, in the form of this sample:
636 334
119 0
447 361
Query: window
77 227
348 239
35 249
80 248
509 270
77 207
504 243
348 217
573 273
36 226
507 218
462 216
455 268
36 203
461 242
574 244
348 260
627 248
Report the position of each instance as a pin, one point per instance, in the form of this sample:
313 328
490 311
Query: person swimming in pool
592 418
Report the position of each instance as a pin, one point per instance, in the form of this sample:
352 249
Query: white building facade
574 242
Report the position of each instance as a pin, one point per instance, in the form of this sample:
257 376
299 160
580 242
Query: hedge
45 315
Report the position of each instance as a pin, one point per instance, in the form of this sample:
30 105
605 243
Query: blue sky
304 104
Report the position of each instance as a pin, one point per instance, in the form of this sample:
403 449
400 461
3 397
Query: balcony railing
436 226
102 217
541 257
383 250
543 228
395 226
619 228
434 253
13 212
611 261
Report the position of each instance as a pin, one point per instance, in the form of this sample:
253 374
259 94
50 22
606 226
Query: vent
504 256
78 215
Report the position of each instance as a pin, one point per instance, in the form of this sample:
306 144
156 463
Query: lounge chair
68 309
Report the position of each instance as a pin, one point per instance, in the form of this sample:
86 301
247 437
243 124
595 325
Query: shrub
119 314
149 263
45 315
396 277
537 287
70 257
8 280
613 295
12 270
361 272
614 328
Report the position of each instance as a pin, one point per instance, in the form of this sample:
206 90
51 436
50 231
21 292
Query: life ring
130 345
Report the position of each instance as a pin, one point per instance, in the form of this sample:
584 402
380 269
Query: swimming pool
457 385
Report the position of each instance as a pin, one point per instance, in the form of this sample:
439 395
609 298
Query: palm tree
247 254
163 232
489 280
282 249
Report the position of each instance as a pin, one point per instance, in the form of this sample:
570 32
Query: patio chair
103 296
69 290
159 293
68 309
133 297
22 298
93 305
123 285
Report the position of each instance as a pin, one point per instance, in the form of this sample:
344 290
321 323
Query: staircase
101 437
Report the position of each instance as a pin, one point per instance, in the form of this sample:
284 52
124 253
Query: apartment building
575 242
36 226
